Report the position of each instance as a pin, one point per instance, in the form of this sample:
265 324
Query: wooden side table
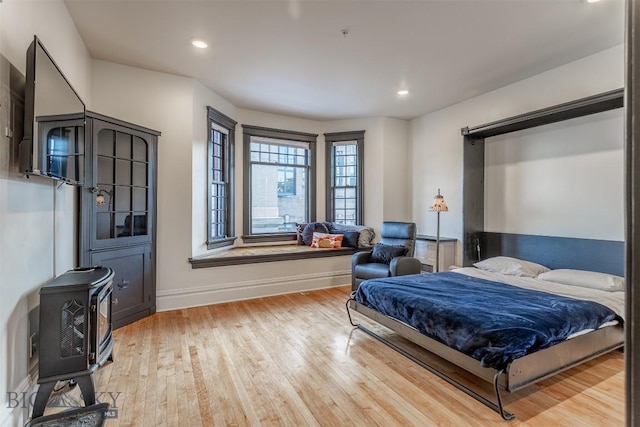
426 252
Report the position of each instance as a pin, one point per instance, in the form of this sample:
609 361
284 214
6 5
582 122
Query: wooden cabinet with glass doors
118 212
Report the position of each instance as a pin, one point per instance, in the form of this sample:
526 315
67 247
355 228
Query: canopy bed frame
554 252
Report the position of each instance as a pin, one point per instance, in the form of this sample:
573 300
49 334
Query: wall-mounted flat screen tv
53 144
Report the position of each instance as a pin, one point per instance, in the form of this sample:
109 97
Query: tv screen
53 144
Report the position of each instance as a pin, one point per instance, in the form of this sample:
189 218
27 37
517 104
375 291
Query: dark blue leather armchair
392 233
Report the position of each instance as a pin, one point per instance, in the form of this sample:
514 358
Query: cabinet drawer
426 252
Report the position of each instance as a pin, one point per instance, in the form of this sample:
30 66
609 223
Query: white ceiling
290 57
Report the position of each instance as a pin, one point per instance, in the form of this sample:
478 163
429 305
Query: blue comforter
492 322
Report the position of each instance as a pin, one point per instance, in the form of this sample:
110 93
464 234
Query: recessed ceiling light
593 1
403 92
200 44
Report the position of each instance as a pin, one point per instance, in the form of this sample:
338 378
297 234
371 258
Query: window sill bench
258 254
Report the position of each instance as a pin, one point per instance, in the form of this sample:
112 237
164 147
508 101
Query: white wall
397 170
564 179
436 142
37 221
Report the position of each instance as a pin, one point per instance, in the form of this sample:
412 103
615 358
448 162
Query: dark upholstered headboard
606 256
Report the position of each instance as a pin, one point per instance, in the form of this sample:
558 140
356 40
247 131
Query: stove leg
42 397
87 388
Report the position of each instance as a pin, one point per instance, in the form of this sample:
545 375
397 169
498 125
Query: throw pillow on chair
385 253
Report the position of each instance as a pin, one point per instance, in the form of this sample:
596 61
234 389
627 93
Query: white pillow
511 266
585 279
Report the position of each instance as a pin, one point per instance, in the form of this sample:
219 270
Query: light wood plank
294 360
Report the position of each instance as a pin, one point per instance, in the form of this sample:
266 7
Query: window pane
139 199
104 225
123 224
344 170
123 172
218 209
221 152
140 174
270 212
105 170
105 142
139 224
139 149
123 199
123 145
106 191
286 182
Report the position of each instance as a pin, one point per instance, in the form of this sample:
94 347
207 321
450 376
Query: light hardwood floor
294 360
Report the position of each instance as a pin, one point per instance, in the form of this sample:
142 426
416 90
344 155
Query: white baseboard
176 299
15 413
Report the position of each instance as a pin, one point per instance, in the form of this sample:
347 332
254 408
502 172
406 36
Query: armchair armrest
360 258
404 265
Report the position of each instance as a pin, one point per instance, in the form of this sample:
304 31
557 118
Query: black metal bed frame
520 373
507 416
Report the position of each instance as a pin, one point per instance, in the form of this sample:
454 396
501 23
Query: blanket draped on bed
492 322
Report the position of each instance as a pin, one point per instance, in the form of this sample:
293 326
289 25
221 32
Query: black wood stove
75 331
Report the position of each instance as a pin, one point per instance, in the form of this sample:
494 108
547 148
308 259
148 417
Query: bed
452 314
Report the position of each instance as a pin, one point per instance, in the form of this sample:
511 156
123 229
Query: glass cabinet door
118 212
122 173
